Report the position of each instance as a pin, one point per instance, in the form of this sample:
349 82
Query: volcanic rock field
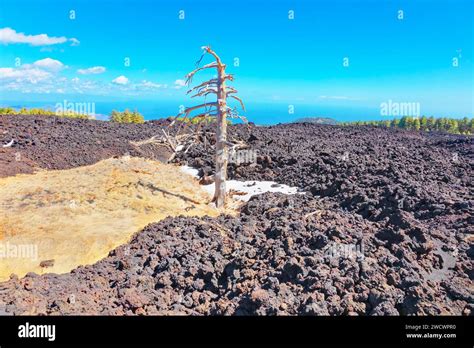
383 225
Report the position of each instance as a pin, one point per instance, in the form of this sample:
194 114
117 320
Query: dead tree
218 110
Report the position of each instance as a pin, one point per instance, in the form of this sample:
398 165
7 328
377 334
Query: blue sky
282 61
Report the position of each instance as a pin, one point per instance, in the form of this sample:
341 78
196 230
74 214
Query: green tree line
126 116
42 112
116 116
426 124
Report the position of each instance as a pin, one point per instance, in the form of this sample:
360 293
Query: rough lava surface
385 227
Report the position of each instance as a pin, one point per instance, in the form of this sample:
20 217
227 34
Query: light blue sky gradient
282 61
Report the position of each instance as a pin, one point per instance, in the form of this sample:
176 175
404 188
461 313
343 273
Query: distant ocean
259 113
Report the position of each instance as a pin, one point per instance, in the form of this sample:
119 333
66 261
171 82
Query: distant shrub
126 116
41 112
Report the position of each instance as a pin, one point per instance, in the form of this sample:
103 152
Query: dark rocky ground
62 143
403 199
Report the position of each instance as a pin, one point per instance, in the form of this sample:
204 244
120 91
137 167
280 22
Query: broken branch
207 66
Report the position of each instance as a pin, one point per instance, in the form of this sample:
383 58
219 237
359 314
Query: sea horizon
259 113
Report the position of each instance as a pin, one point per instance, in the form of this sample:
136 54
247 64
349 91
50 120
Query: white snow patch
190 170
250 188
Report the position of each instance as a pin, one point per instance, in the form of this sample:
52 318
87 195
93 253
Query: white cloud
92 70
74 41
49 64
149 84
179 84
29 74
121 80
10 36
45 76
37 75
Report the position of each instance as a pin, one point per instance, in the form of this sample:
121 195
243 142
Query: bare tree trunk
221 139
216 86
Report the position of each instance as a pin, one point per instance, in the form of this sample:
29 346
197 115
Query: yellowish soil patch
75 217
